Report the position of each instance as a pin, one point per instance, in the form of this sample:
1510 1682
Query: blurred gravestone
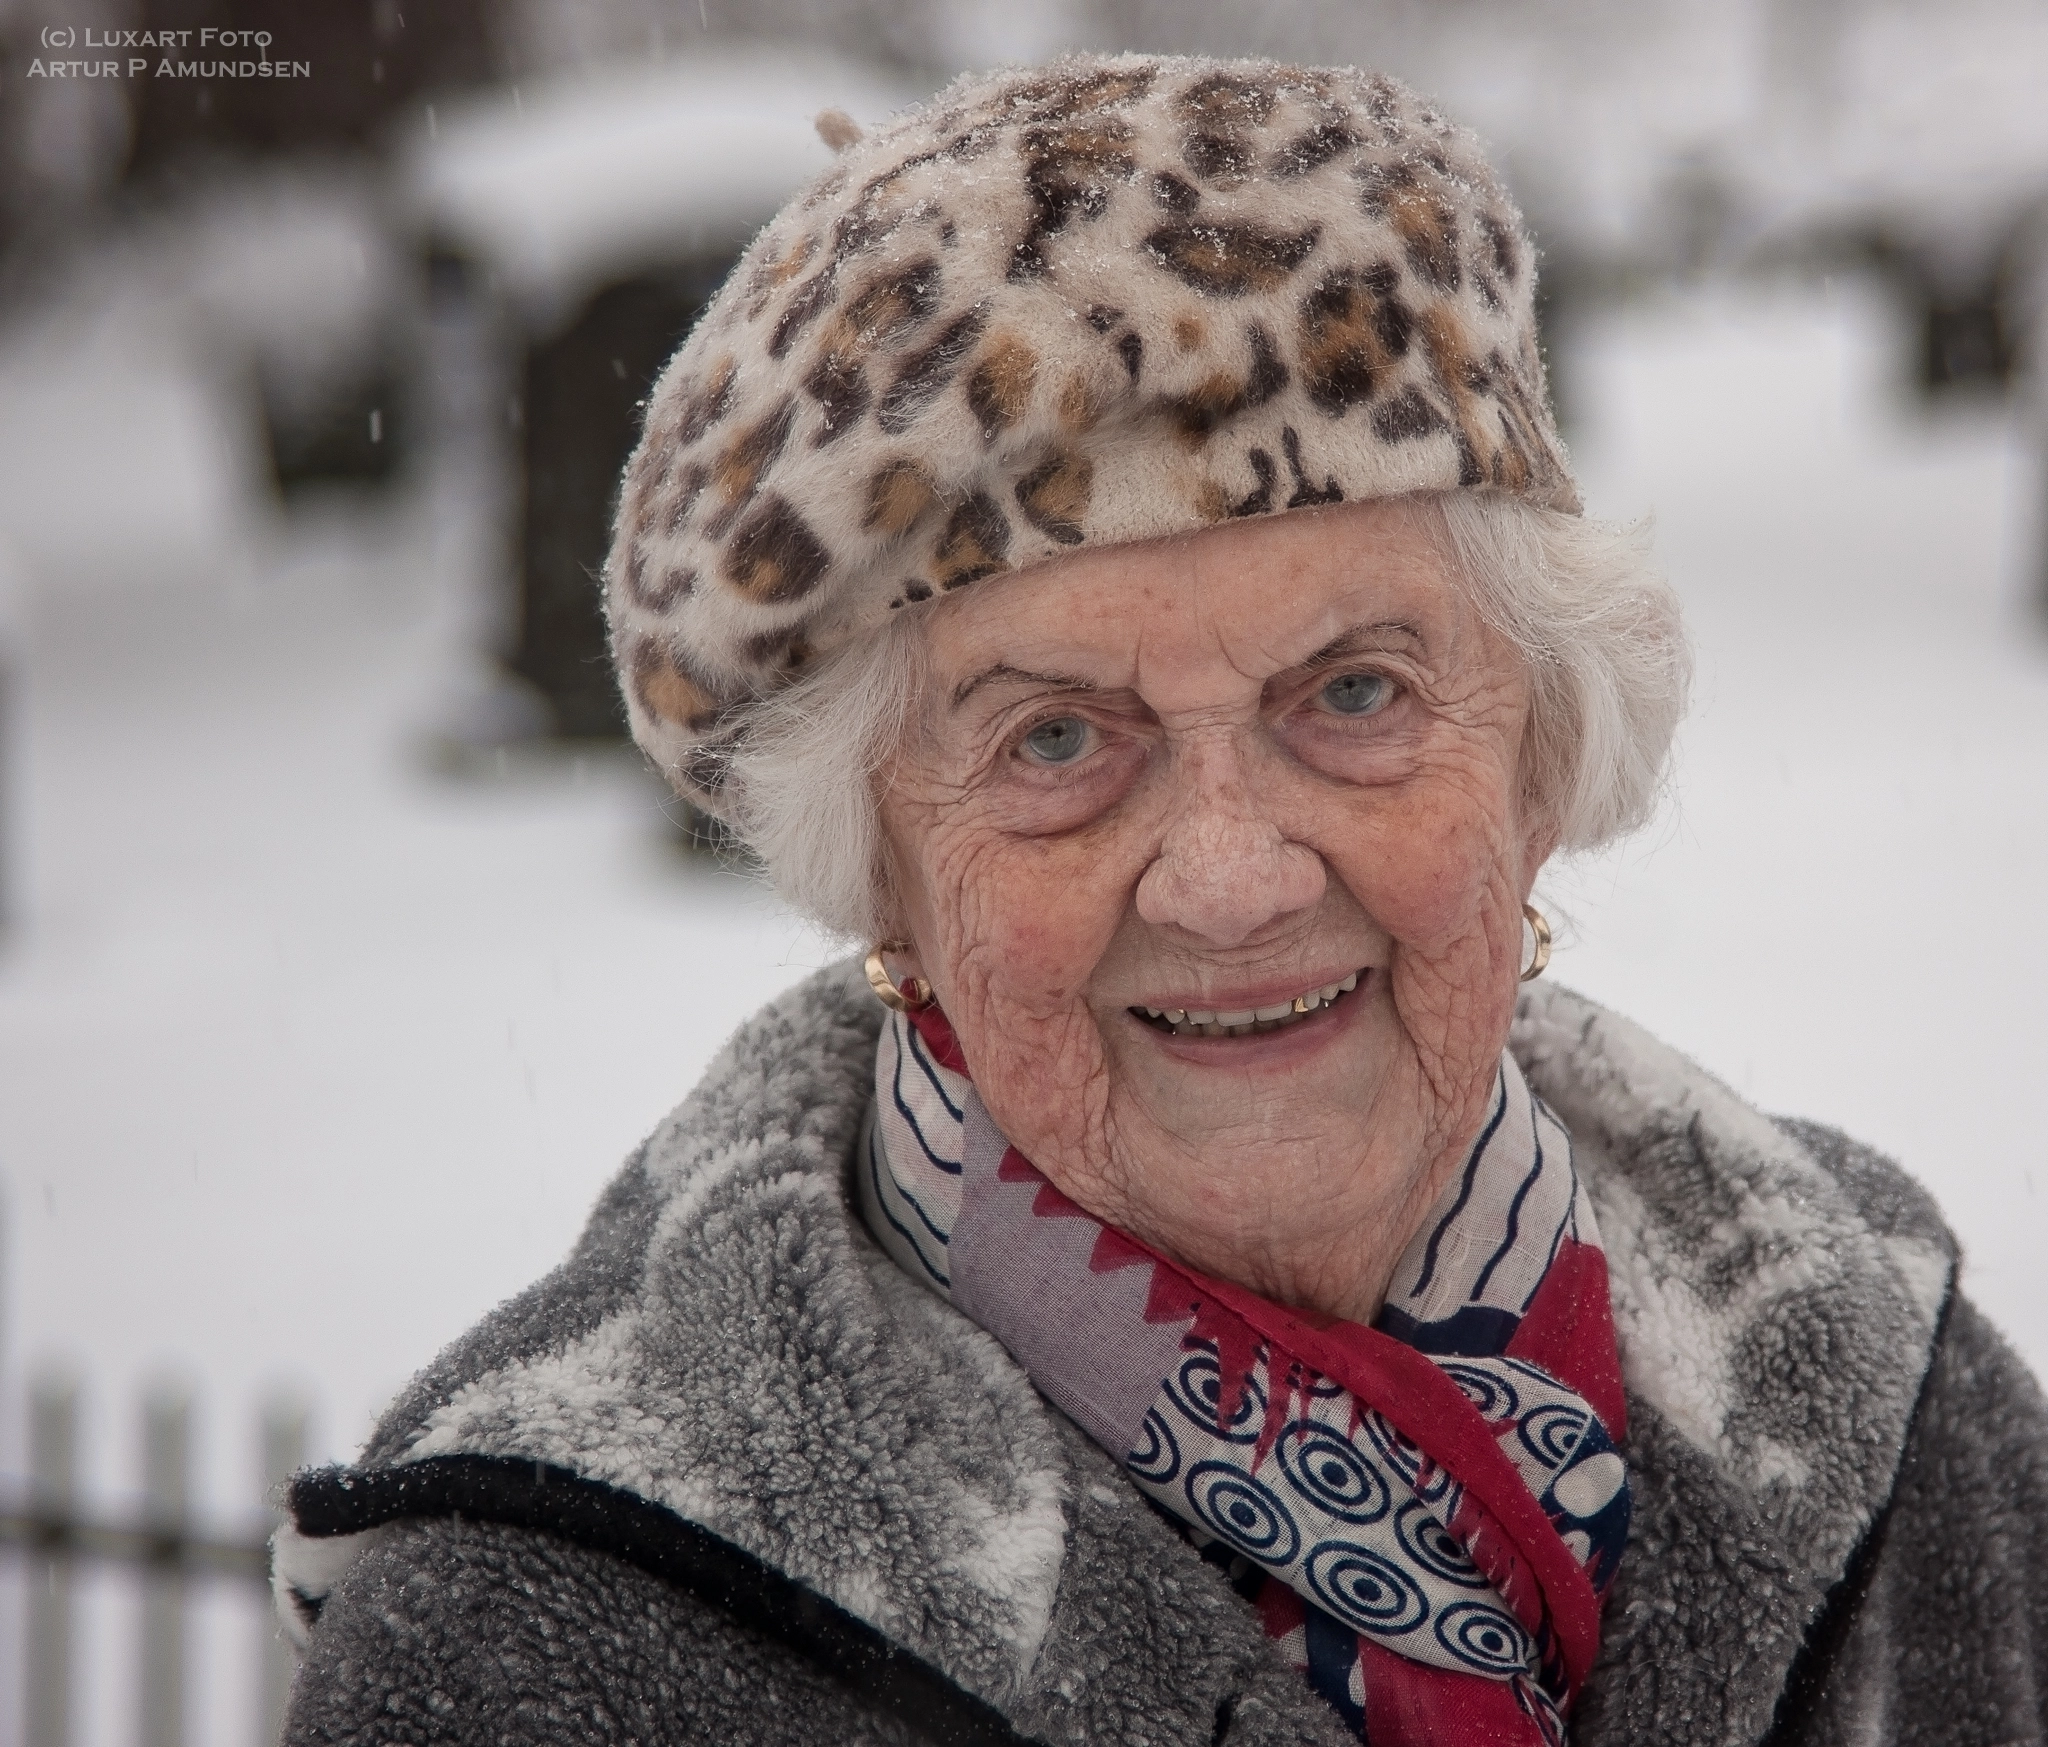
337 428
1962 306
575 228
585 391
367 62
1964 341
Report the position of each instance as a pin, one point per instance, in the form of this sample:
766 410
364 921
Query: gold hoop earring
913 993
1540 927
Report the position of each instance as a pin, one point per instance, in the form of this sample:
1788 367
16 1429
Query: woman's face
1222 775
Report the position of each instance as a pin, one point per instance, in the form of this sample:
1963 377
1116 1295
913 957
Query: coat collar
1776 1292
728 1343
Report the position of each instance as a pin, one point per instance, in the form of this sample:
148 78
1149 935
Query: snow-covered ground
309 1055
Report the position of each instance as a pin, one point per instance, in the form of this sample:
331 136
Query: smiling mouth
1248 1022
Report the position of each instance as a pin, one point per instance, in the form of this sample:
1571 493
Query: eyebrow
1002 673
1355 640
1359 639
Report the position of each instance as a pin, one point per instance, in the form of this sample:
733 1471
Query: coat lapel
1776 1309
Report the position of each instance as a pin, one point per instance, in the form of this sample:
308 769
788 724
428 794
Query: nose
1224 868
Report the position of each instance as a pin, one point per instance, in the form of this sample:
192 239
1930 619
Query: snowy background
312 1050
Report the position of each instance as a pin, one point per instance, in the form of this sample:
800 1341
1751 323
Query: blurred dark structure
1970 316
1966 339
372 64
349 432
370 59
575 230
586 388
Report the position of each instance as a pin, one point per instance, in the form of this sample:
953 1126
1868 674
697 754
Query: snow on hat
1114 298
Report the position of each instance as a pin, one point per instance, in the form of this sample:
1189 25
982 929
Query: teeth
1194 1022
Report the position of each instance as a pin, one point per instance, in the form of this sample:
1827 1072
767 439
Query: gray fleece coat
727 1475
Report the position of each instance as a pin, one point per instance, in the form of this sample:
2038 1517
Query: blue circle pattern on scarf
1372 1510
1330 1471
1244 1512
1434 1547
1156 1457
1484 1638
1365 1589
1196 1388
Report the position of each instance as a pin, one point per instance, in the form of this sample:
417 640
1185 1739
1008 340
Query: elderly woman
1109 544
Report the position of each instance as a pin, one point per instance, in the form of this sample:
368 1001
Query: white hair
1581 601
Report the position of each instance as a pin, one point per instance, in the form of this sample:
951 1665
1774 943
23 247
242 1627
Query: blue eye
1059 741
1358 694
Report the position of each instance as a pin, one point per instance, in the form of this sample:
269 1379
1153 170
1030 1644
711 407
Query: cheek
1427 866
1019 926
1012 944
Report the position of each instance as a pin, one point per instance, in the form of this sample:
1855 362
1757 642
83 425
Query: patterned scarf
1426 1513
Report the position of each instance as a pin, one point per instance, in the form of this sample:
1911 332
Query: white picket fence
58 1544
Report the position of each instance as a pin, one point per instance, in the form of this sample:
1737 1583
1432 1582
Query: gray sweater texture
728 1476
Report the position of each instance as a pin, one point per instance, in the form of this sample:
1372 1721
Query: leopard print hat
1111 299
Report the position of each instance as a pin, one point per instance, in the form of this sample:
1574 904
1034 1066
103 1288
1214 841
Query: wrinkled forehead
1209 615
